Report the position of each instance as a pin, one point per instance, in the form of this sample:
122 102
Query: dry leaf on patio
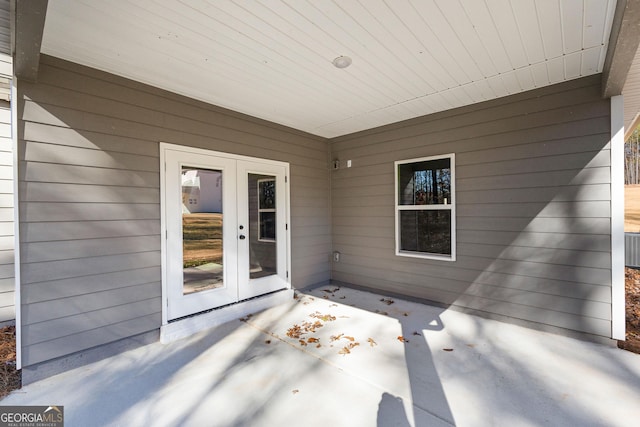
354 344
312 339
311 327
346 337
402 339
303 343
323 317
371 342
447 349
344 351
335 337
384 313
387 301
294 332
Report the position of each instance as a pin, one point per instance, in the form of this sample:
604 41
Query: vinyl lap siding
533 207
90 213
7 276
5 27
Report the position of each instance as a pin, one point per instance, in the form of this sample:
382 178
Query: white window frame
451 206
261 210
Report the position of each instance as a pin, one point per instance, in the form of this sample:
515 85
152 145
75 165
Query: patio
367 360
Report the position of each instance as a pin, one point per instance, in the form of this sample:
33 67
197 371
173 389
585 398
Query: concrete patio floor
413 365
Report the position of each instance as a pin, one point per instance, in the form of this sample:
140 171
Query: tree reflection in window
267 209
425 182
425 207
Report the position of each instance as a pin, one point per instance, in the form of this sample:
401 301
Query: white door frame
180 305
234 310
248 287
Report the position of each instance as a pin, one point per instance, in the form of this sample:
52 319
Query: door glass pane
201 229
262 226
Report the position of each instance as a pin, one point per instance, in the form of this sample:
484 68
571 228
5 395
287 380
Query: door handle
242 237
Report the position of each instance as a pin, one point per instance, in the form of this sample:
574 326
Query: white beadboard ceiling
272 59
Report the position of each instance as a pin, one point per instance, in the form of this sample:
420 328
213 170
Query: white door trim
223 312
178 304
274 282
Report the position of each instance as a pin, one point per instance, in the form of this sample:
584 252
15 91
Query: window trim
451 207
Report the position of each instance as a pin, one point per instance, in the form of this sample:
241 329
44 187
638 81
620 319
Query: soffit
273 60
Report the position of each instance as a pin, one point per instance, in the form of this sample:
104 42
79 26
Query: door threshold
188 326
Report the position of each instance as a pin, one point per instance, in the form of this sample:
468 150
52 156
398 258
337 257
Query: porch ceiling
273 59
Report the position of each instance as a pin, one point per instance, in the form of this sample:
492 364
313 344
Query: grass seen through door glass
202 239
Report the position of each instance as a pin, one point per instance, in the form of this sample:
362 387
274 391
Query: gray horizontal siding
5 27
491 113
7 282
533 207
44 231
78 267
90 194
60 250
73 211
103 333
74 286
73 325
64 173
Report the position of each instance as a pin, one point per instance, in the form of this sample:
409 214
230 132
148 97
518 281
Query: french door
225 229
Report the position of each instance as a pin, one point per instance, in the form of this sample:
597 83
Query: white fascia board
16 222
617 219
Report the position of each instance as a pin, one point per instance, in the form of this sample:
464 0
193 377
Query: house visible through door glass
201 229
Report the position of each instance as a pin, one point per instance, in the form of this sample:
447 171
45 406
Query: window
425 207
267 209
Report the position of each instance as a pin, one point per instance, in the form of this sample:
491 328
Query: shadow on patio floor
407 364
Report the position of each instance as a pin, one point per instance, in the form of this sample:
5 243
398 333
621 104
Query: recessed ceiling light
342 62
